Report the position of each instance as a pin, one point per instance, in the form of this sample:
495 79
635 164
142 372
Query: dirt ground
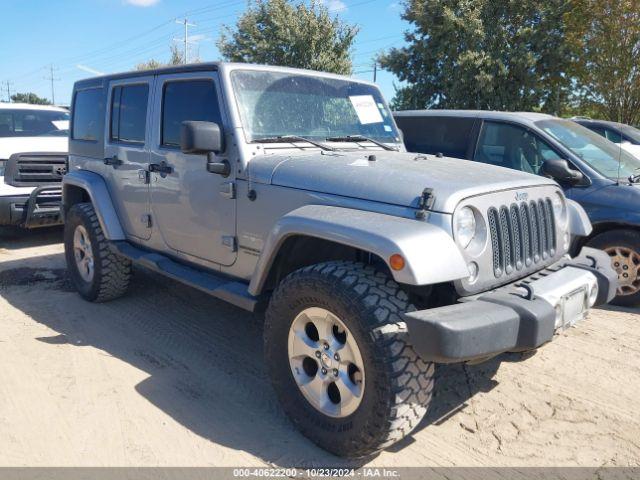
170 376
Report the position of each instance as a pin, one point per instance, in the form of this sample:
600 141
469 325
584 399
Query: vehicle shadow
14 238
203 358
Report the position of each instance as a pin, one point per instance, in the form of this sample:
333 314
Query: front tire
347 316
98 273
623 246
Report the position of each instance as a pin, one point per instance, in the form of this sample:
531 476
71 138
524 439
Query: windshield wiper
294 138
361 138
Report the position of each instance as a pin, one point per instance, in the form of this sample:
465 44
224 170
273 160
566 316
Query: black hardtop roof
191 67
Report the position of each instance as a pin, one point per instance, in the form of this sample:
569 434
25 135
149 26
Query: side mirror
205 138
560 171
201 137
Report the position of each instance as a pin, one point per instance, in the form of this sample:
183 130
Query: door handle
113 161
162 168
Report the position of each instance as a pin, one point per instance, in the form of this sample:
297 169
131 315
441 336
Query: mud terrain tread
410 386
114 273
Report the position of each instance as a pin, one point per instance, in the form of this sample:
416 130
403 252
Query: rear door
127 153
194 209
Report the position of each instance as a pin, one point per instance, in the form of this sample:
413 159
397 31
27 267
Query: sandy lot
169 376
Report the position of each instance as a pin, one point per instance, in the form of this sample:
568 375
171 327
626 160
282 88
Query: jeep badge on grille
521 196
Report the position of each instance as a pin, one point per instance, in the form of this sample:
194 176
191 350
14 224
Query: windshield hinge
425 203
230 242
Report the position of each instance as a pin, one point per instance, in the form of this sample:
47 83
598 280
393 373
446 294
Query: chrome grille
521 234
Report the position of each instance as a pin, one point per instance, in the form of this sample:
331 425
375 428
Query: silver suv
290 191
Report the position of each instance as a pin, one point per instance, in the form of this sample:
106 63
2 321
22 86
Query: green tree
605 37
31 98
177 58
482 54
277 32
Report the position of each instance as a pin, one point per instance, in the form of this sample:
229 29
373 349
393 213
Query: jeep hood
11 145
393 177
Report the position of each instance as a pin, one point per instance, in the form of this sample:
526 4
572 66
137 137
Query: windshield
274 104
601 154
32 123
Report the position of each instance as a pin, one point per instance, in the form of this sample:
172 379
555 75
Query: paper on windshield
61 124
366 109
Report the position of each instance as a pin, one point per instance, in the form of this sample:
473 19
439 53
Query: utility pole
8 85
375 71
52 78
186 24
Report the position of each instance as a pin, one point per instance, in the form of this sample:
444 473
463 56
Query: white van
33 159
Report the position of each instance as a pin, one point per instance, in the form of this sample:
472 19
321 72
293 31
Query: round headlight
465 226
559 208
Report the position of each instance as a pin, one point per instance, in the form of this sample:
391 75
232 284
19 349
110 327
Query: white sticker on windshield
61 124
366 109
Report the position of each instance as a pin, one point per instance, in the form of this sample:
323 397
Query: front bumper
520 316
38 209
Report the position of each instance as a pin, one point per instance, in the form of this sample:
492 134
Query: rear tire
623 246
396 384
98 273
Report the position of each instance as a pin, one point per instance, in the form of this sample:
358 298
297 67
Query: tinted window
129 113
31 123
87 110
187 100
447 135
513 147
613 136
598 130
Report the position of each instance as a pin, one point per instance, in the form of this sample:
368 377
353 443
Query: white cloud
335 5
141 3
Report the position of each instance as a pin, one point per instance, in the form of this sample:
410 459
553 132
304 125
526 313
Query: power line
8 85
186 24
52 79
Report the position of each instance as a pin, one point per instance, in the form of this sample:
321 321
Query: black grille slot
31 170
522 234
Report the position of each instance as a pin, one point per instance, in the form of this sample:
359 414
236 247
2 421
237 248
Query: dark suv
593 171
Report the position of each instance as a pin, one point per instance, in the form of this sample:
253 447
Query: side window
513 147
598 130
129 113
187 100
447 135
87 110
613 136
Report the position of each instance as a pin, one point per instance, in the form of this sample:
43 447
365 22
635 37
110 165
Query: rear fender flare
96 188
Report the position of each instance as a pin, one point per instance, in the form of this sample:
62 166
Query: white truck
33 159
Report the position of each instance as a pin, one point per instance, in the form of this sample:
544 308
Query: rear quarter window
447 135
88 115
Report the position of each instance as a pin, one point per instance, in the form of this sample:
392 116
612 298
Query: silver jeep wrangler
290 191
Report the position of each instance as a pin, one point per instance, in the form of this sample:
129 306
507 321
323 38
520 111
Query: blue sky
79 37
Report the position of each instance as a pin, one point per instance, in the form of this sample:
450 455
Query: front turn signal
396 261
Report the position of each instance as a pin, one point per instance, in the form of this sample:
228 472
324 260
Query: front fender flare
96 188
431 256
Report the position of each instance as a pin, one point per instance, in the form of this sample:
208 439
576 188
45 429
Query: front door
193 209
127 153
512 146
